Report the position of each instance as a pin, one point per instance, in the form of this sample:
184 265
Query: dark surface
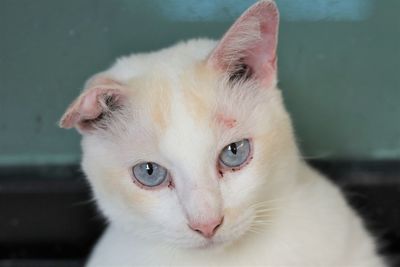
46 214
48 218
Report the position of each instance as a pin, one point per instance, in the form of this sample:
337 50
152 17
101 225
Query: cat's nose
207 230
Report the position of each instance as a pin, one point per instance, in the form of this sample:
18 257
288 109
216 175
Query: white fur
277 210
284 213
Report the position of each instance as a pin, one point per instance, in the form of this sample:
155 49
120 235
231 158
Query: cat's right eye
149 174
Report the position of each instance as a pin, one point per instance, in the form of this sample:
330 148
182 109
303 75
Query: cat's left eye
150 174
235 154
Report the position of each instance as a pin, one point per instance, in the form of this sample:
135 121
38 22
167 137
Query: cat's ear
101 97
248 49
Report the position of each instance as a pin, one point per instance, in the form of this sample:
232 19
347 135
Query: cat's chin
204 244
210 245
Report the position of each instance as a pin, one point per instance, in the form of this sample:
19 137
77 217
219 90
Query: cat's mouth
227 238
210 244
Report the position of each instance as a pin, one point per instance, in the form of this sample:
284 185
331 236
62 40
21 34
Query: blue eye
149 173
235 154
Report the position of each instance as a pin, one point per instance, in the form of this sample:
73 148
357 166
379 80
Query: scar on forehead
226 121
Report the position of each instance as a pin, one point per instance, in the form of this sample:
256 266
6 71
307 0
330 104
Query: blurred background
339 63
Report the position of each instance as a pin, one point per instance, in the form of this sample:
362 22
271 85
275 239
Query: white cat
191 157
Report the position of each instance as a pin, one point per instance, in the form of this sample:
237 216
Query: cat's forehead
191 100
172 77
177 99
171 60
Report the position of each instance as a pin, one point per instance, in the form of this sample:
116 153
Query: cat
192 158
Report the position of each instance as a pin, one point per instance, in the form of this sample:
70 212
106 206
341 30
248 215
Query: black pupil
233 148
149 168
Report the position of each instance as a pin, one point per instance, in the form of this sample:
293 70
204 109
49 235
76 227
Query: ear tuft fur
241 72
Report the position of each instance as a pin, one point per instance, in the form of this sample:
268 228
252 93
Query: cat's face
187 145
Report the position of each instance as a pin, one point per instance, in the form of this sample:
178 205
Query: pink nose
208 229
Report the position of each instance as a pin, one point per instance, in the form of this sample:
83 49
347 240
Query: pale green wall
339 67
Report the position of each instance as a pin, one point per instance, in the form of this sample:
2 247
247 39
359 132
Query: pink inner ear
90 104
252 40
90 107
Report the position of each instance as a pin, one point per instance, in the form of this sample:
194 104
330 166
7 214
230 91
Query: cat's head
191 144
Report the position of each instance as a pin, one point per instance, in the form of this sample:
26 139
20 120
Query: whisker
254 231
262 217
267 202
257 230
267 209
